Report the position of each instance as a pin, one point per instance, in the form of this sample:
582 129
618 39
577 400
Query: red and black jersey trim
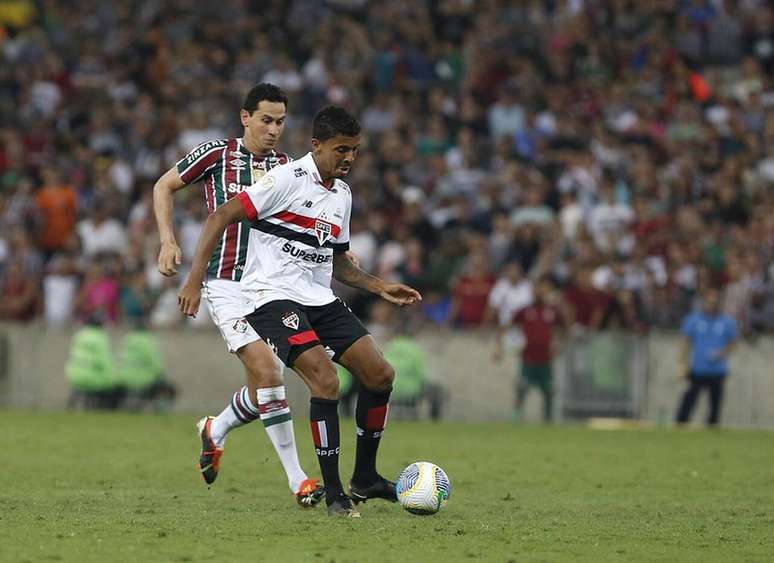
283 232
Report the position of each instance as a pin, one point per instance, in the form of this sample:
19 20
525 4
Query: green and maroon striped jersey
227 168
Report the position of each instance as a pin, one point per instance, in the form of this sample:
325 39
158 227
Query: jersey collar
244 150
308 162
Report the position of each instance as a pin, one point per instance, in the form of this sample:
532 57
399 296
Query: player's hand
400 294
188 299
169 257
353 258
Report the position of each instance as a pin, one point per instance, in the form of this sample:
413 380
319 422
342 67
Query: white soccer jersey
296 224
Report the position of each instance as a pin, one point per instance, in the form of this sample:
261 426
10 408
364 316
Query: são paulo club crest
323 230
290 320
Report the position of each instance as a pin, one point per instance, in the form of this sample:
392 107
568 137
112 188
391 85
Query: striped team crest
323 230
320 433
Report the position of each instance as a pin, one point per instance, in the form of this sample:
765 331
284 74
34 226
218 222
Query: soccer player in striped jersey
300 217
227 167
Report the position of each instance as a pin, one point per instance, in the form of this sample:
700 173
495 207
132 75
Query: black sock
324 417
370 415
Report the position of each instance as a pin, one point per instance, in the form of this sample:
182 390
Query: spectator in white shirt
101 233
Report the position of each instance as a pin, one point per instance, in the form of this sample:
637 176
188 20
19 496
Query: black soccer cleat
342 506
381 488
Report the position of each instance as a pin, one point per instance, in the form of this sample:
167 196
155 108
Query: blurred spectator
136 299
510 294
470 292
710 336
141 370
100 293
101 233
57 204
538 322
587 305
19 292
90 369
60 288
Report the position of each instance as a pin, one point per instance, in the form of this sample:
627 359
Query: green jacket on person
90 364
141 362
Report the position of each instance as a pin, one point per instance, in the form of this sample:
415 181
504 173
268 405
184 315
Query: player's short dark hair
334 120
261 92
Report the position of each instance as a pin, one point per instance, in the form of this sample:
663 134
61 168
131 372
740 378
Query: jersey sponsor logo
291 320
235 187
240 326
196 153
299 172
305 255
323 230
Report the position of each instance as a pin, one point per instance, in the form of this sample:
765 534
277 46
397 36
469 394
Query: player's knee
263 369
381 377
323 381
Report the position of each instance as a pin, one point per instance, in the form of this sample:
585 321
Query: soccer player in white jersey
228 166
300 216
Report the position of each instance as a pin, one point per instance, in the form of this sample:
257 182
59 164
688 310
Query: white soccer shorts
228 309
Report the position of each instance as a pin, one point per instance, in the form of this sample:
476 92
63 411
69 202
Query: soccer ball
423 488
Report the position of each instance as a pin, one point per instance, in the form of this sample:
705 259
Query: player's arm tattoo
347 273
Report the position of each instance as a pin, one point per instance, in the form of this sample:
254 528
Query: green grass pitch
103 487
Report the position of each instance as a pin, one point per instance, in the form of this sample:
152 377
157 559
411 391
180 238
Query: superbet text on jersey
296 224
227 168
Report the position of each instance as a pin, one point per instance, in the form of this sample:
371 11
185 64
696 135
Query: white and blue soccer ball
423 488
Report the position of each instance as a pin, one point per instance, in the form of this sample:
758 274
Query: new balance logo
307 203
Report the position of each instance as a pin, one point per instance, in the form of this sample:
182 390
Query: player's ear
244 116
316 144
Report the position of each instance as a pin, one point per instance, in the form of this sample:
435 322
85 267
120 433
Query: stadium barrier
600 375
603 375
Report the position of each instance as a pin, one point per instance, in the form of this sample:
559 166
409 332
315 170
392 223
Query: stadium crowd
625 149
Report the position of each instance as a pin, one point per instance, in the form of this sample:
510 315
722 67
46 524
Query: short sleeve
268 196
202 159
342 241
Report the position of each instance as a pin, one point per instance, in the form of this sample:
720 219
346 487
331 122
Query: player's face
264 127
335 156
